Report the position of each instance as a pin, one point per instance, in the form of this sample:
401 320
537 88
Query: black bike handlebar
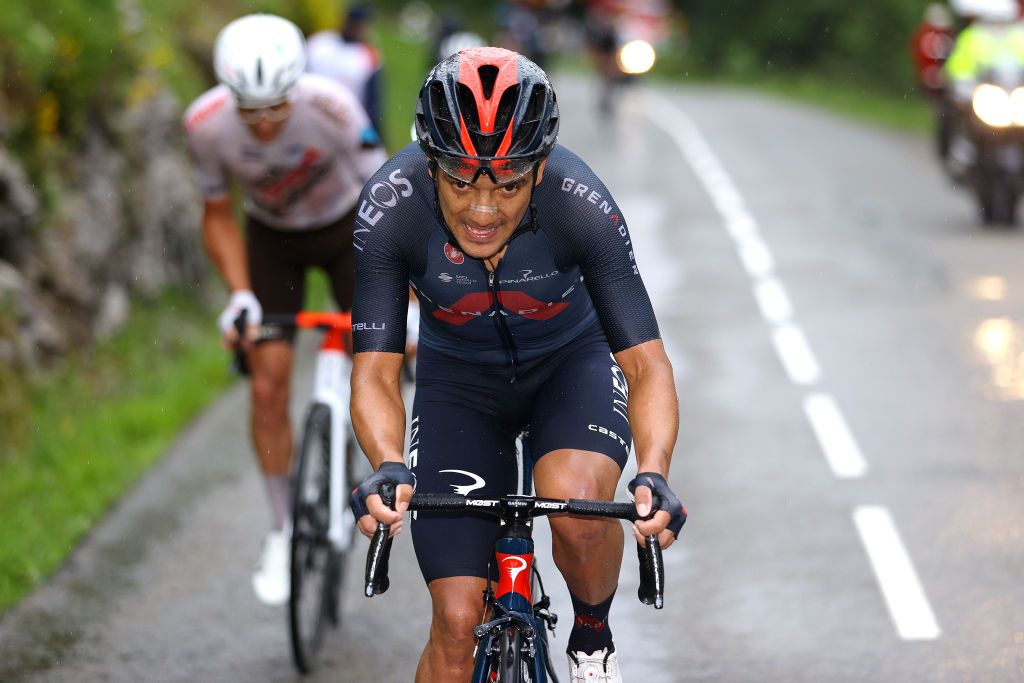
241 363
652 569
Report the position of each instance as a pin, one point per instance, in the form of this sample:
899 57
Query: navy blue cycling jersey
569 270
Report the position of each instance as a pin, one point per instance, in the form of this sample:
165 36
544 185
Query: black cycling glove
394 473
664 499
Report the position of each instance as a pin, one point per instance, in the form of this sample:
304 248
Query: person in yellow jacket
996 38
993 37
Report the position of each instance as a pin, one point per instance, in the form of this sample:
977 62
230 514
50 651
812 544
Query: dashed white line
904 596
797 357
835 437
908 605
773 300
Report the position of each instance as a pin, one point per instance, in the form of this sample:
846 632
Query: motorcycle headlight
636 57
992 105
1017 106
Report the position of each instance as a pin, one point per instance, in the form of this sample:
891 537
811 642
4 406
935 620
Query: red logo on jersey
453 254
474 305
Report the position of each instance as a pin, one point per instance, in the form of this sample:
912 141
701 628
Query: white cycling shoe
272 580
598 667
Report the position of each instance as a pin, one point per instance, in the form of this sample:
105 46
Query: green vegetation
851 58
77 438
98 422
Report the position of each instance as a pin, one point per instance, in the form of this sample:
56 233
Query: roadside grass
103 417
97 423
909 111
850 97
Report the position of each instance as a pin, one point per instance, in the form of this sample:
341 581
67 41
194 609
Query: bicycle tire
313 563
510 665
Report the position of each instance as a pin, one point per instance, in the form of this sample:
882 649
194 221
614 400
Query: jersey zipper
499 322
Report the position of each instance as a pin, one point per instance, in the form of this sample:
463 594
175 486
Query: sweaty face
483 215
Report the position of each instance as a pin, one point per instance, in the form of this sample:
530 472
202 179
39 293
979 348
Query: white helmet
987 10
259 56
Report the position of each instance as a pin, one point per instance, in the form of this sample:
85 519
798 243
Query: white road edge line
835 437
904 596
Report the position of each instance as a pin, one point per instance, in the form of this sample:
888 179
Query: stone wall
124 227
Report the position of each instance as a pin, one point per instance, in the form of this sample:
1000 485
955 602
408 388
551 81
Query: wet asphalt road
797 261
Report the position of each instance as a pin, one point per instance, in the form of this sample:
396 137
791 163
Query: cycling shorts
279 259
466 418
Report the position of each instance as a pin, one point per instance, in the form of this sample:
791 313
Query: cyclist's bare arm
654 420
224 243
378 415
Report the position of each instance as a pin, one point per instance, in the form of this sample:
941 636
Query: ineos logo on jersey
453 254
620 391
466 489
384 195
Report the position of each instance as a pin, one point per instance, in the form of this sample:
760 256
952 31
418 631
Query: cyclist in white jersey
300 147
347 57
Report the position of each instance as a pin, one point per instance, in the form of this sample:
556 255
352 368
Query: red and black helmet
487 110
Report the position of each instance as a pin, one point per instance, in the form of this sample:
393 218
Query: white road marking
902 591
792 347
904 596
773 301
835 437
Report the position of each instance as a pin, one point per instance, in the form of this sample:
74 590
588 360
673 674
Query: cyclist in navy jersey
534 320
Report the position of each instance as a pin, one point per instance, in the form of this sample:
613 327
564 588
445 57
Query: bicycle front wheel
314 565
509 665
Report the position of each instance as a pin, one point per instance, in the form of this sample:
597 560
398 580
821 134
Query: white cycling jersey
349 63
309 176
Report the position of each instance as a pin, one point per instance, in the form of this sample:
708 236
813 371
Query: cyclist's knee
580 535
452 629
458 608
269 393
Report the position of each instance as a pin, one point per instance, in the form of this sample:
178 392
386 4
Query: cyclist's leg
581 436
278 281
463 440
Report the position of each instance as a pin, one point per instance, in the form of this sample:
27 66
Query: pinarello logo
453 254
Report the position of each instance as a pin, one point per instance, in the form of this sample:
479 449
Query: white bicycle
323 473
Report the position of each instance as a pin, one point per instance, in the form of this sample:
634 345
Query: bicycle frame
333 368
514 553
331 387
511 603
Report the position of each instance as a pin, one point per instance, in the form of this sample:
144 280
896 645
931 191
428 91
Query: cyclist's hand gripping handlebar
652 568
383 482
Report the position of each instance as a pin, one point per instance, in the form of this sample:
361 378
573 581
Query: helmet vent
488 78
259 72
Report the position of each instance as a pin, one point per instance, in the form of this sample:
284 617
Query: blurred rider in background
992 38
930 46
301 147
349 58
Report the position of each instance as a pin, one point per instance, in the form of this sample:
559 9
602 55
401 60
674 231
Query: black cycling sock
590 631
